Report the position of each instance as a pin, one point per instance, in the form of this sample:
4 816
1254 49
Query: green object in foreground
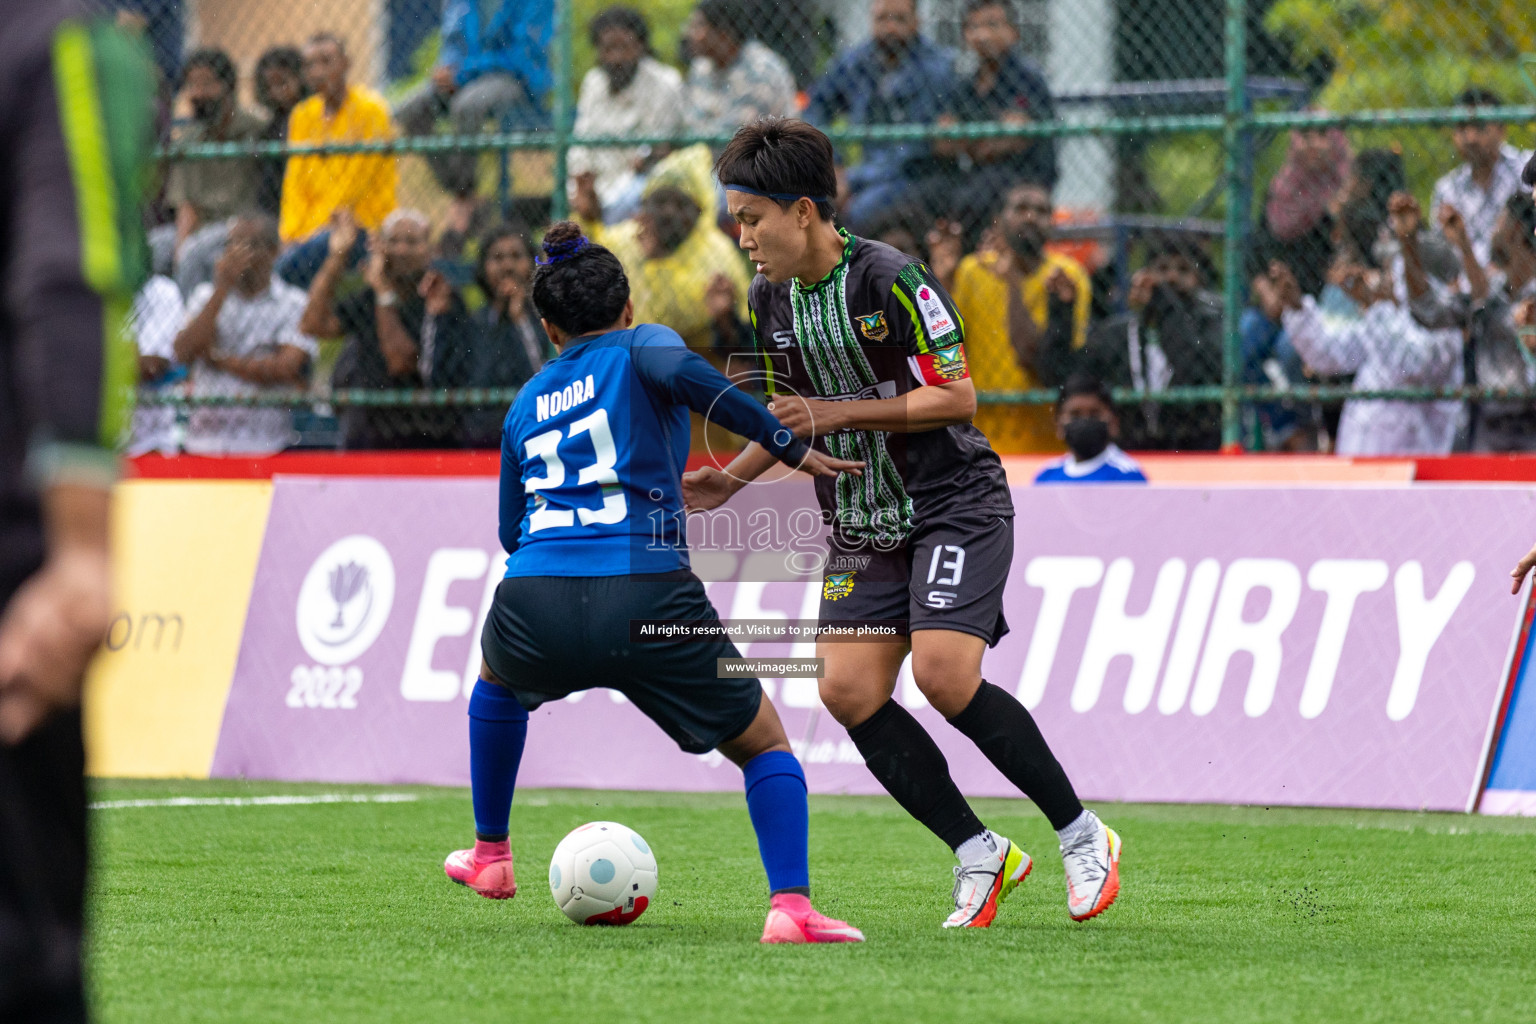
341 912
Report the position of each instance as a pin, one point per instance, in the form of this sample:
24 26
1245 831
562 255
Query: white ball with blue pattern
603 873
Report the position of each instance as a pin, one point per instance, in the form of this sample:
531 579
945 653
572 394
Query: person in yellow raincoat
684 272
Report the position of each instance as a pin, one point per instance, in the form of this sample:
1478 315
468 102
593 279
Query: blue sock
498 726
776 801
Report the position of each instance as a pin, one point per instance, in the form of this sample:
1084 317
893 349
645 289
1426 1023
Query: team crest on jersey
837 586
873 326
949 363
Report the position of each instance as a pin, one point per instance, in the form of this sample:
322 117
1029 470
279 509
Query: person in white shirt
630 92
242 338
157 315
1488 176
732 79
1384 347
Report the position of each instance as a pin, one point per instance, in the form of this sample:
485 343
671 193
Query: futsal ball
603 873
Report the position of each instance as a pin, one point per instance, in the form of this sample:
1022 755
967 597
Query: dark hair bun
560 234
578 286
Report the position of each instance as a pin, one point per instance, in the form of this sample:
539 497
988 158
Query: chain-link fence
1280 224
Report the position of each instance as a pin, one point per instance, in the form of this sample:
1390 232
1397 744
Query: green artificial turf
341 912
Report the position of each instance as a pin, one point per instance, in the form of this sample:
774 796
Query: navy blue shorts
550 636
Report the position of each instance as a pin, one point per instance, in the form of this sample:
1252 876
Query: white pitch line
258 801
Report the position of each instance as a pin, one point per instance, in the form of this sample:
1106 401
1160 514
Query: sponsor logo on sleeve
940 366
935 316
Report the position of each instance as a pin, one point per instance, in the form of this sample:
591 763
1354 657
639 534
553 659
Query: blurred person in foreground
1489 174
383 326
684 271
315 188
76 103
1496 356
1171 337
242 337
630 92
501 344
493 66
996 83
1026 314
1376 339
896 77
1087 424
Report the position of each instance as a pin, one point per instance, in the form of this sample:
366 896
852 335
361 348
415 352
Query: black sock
1006 732
912 769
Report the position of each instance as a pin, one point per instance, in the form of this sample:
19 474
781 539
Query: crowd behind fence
1279 224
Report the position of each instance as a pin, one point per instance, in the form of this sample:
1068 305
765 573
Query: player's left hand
1519 572
805 419
817 464
50 631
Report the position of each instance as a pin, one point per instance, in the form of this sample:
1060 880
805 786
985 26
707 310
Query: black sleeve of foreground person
70 259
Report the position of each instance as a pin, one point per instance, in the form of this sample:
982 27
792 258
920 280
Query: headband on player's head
562 251
783 197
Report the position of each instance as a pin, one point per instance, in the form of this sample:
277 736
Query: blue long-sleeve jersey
593 451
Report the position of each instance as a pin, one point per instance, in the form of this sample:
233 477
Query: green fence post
1238 169
563 105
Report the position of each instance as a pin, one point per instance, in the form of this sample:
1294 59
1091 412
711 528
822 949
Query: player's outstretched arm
1521 570
929 407
708 487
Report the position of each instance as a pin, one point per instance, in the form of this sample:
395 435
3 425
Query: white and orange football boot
792 919
486 868
979 888
1093 871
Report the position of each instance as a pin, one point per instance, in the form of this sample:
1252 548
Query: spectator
1171 337
630 92
1496 357
897 77
904 228
1004 86
280 87
1383 346
1087 424
156 318
1296 229
243 337
316 187
1487 177
732 79
1025 310
683 271
493 66
206 193
502 344
382 324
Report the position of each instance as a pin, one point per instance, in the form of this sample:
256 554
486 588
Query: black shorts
550 636
950 574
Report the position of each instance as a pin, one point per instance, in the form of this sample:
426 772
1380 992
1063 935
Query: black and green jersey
879 326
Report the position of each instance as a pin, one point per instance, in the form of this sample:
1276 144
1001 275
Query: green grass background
341 913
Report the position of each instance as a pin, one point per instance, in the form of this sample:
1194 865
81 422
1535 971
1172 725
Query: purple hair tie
562 251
